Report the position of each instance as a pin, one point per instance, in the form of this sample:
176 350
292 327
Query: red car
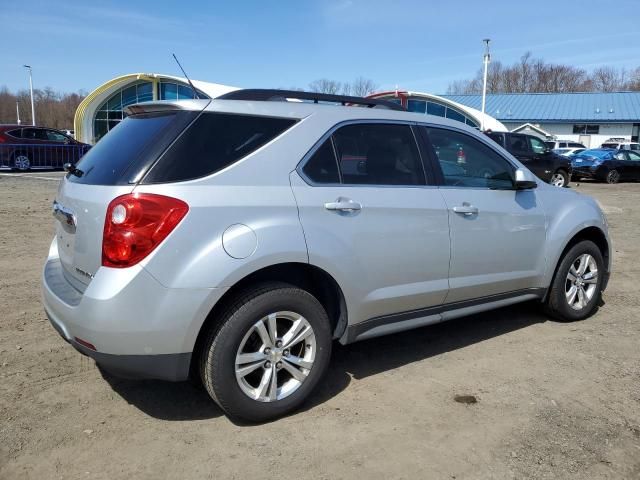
27 147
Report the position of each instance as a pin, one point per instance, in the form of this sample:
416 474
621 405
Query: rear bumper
139 327
172 367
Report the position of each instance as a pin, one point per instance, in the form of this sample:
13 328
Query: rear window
609 145
15 133
215 141
124 151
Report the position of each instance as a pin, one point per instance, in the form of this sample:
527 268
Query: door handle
466 209
343 205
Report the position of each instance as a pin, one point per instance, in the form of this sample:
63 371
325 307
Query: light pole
18 112
486 60
33 110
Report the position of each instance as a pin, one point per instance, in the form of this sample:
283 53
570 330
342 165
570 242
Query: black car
536 156
607 165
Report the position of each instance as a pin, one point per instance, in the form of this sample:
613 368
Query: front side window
633 156
518 144
537 146
57 137
467 162
378 154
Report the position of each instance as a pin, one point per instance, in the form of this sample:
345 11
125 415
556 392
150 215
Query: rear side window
322 166
15 133
215 141
122 148
518 144
378 154
497 137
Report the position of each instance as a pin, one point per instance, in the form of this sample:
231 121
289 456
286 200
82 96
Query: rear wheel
21 161
577 286
269 352
559 179
613 176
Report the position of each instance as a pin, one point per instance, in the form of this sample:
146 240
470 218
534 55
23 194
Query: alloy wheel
581 281
613 176
557 180
275 356
22 162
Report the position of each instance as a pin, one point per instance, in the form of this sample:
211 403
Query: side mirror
524 180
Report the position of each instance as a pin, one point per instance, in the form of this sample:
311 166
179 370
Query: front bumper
139 327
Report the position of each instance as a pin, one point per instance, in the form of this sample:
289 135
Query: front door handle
466 209
343 205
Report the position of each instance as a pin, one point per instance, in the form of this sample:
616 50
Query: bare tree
361 87
53 109
325 85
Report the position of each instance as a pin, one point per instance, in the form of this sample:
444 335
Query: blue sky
418 45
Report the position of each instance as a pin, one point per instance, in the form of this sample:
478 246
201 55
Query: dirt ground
554 400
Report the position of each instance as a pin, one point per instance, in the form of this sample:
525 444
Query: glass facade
110 112
434 108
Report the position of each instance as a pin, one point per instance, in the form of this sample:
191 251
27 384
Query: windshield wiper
71 168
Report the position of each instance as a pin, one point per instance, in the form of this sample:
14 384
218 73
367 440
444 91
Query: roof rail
268 95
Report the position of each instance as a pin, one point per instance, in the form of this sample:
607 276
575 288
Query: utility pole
486 60
33 109
18 112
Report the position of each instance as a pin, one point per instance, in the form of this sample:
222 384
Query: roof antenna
195 92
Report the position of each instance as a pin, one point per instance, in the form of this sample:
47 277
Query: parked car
553 144
615 145
568 152
607 165
232 239
24 148
536 156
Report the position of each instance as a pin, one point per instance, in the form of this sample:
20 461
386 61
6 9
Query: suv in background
536 156
234 239
563 144
27 147
624 145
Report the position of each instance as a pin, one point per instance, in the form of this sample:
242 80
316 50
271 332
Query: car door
497 233
372 221
632 168
542 159
519 147
37 150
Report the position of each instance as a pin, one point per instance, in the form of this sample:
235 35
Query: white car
568 152
621 145
553 145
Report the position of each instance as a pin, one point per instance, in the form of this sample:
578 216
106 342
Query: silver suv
233 240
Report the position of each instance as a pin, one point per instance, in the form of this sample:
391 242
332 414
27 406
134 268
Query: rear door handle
466 209
343 205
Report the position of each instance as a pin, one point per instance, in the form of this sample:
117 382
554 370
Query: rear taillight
135 224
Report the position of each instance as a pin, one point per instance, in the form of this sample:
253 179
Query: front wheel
577 286
559 179
613 176
269 352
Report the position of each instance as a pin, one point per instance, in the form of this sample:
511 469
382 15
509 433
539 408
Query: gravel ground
553 400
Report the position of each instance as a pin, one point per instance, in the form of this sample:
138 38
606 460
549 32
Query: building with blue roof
590 118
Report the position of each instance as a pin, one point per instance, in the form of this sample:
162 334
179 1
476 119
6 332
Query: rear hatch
110 169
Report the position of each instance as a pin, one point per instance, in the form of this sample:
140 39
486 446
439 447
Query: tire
21 161
613 176
559 179
244 397
559 303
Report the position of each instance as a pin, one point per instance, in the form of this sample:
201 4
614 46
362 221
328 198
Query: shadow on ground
186 401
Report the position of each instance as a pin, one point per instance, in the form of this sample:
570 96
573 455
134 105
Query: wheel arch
597 236
311 278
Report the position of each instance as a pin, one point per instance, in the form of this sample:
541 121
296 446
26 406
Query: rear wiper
71 168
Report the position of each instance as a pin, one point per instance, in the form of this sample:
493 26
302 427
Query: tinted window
213 142
436 109
537 145
57 137
34 134
322 166
467 162
576 145
377 154
518 144
452 114
108 160
419 106
498 138
15 133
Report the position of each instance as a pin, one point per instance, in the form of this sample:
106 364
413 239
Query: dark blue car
607 165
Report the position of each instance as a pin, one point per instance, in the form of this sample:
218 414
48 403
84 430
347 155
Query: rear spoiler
166 106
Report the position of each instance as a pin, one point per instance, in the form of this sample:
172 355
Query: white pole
18 112
33 110
486 60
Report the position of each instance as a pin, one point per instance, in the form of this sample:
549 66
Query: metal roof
561 107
